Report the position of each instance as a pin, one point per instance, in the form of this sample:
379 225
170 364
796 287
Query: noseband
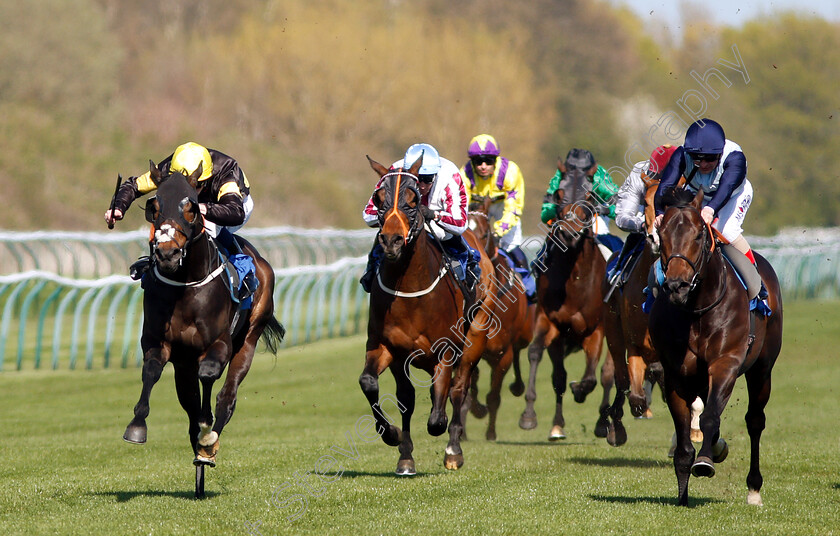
166 232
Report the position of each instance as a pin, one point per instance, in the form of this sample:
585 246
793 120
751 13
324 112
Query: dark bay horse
626 327
569 310
188 317
417 320
515 315
706 336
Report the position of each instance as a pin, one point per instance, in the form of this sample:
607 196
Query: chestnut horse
417 318
515 315
189 317
569 310
706 336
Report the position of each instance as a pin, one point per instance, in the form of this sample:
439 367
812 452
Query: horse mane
677 197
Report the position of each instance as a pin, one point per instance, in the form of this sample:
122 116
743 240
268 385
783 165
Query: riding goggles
483 159
427 179
700 157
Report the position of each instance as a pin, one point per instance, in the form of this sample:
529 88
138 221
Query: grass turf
66 469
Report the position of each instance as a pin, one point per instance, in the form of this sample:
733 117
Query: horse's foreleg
591 344
758 387
189 395
439 393
614 431
478 409
153 362
722 375
376 361
453 456
237 369
637 368
405 397
679 407
528 420
557 353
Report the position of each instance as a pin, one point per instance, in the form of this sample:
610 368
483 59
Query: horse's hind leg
189 395
153 363
210 369
494 397
614 431
722 375
478 409
758 387
517 387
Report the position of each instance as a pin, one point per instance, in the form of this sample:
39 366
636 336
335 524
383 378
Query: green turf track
66 470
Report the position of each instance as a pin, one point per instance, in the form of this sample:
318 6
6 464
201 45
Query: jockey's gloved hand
428 214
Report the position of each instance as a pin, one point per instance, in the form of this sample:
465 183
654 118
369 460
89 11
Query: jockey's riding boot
464 258
140 267
248 286
374 257
521 261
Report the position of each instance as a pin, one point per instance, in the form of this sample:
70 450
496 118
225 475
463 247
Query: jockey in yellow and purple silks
488 174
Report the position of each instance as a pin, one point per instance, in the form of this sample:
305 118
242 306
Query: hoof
436 429
490 435
453 462
696 435
754 498
206 454
581 389
617 435
204 460
406 468
479 411
720 451
517 388
647 414
556 433
602 428
135 434
528 421
703 466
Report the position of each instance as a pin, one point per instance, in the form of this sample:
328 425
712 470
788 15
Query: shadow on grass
621 462
668 501
125 496
391 474
539 443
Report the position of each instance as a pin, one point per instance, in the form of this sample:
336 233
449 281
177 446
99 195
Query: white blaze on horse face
166 233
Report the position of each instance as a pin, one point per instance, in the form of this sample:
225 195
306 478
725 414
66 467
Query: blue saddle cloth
757 304
464 257
525 274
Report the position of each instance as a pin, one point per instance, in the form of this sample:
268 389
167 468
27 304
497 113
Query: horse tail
273 334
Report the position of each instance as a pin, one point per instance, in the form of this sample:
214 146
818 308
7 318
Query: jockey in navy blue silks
716 165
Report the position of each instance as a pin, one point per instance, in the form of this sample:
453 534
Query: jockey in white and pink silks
444 204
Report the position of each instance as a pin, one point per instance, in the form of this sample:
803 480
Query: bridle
698 266
413 231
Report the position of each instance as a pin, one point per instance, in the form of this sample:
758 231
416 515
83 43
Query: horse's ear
154 173
697 202
410 198
561 164
193 178
415 167
376 166
591 171
379 198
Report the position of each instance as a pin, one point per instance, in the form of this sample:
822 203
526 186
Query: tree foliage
300 90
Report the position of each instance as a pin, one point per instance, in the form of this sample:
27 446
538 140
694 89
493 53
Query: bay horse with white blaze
189 317
706 336
516 318
569 309
417 311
